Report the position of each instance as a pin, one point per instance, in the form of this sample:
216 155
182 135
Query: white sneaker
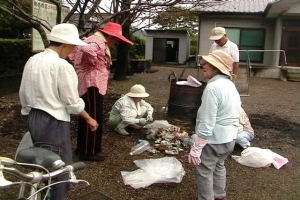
121 131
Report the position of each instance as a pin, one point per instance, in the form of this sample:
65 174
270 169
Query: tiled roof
233 6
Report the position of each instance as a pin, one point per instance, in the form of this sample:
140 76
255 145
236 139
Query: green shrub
14 53
136 51
193 50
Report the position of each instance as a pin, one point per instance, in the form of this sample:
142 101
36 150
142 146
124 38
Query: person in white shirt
131 110
245 131
49 94
221 42
216 126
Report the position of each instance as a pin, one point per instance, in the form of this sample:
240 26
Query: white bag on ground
257 157
161 170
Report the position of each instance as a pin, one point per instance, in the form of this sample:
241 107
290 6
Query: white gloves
142 121
196 149
149 118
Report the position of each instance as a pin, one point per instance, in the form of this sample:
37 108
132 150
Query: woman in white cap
216 126
92 64
49 94
130 110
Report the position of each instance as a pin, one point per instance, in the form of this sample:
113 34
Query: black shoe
91 158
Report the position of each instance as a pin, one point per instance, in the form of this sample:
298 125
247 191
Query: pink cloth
92 63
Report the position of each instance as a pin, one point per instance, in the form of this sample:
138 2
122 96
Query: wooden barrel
184 101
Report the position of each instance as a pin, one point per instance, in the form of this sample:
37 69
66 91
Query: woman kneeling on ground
130 110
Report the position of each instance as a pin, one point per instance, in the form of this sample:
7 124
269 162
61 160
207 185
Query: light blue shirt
218 116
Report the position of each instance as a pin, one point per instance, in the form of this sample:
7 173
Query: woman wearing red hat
92 63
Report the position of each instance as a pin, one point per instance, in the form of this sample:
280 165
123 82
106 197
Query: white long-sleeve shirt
50 83
218 116
127 108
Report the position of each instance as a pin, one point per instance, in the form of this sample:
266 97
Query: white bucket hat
65 33
138 91
217 33
221 60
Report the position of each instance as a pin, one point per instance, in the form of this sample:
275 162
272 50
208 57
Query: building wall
208 23
184 44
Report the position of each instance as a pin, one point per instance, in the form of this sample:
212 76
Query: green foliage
9 26
193 50
137 50
13 55
194 41
177 17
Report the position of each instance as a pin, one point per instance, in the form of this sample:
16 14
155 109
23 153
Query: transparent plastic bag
161 170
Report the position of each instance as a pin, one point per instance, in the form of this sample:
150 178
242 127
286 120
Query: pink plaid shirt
91 63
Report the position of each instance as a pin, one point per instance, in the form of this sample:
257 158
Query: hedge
13 55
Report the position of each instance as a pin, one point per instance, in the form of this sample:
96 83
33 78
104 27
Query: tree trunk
123 48
122 62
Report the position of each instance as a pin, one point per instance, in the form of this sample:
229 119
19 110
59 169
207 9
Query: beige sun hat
65 33
217 33
221 60
138 91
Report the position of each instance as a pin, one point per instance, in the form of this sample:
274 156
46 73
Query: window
248 39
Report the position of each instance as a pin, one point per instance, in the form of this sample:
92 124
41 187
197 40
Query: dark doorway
172 50
165 50
290 42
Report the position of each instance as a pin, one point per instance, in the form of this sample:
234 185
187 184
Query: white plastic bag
158 124
191 81
257 157
161 170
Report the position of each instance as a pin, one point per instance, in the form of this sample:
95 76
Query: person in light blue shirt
216 126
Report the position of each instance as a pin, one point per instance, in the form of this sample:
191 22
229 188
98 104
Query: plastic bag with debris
161 170
158 124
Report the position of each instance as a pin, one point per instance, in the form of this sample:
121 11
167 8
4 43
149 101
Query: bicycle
46 165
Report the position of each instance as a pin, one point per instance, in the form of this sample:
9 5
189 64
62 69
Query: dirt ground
273 109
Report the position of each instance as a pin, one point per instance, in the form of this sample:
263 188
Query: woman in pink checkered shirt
92 63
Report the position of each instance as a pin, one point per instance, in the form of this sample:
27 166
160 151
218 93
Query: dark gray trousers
45 128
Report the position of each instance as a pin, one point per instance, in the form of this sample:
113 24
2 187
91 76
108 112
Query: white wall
184 44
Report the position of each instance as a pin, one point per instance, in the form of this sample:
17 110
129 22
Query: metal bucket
184 101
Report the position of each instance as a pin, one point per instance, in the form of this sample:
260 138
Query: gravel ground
273 109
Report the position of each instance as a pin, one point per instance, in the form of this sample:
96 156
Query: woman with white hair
216 126
130 110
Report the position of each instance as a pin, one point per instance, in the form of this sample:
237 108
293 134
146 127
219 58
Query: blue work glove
149 118
142 121
196 149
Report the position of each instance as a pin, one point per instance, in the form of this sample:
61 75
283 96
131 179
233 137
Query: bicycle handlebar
37 177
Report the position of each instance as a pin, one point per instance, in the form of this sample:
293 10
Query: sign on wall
45 12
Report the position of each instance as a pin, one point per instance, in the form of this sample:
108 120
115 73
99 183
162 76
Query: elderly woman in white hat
216 126
49 94
130 110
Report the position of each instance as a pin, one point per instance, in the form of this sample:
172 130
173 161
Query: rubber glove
149 118
196 149
142 121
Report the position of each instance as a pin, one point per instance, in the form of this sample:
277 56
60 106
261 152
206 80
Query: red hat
115 30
